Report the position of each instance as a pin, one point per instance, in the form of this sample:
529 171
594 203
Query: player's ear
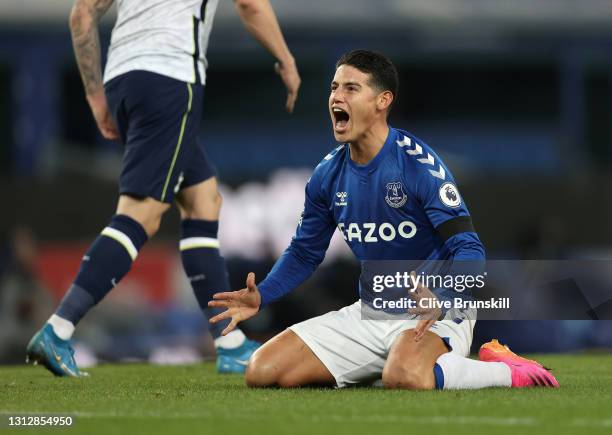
385 98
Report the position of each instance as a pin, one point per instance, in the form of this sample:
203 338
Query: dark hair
379 66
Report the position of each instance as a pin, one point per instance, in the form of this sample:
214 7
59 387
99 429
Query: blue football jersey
402 205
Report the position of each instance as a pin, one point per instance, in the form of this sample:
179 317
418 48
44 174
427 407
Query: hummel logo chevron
404 142
416 151
429 160
441 174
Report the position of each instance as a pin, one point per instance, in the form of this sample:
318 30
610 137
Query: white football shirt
168 37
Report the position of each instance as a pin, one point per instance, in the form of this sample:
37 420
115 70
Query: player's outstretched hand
104 120
427 316
241 304
288 72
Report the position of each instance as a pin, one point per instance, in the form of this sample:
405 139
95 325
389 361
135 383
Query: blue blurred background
516 96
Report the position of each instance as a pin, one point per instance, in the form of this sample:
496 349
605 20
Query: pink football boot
525 372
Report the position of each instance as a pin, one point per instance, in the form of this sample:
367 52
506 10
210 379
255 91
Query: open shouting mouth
341 119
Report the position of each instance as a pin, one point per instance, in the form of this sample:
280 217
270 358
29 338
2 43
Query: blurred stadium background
517 96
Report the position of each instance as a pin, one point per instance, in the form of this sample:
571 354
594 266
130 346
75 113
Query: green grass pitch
144 399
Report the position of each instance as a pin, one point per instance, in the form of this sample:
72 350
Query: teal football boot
235 360
55 354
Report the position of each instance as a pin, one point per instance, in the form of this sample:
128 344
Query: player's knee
208 208
152 225
211 203
288 381
260 373
205 206
215 202
405 377
150 222
265 372
147 212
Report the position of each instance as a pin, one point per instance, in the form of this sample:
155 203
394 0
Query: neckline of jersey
372 164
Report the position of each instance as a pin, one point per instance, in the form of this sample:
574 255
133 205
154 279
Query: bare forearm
260 20
84 19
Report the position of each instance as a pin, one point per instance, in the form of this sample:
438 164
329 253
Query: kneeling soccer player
385 190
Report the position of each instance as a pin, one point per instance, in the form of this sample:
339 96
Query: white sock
63 328
232 340
465 373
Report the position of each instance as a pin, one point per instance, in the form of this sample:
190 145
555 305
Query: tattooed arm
84 19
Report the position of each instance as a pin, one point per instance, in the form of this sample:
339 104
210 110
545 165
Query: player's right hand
104 120
288 72
241 304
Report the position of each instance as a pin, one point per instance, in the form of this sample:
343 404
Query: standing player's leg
286 361
105 263
108 259
199 203
154 115
427 364
199 206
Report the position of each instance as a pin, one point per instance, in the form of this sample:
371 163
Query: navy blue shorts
159 120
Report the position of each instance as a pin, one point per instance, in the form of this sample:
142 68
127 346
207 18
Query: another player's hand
104 120
288 72
241 305
427 316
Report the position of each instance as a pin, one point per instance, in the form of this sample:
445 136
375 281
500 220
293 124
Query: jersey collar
373 164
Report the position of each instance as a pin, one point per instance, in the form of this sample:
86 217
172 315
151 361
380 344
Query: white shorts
355 350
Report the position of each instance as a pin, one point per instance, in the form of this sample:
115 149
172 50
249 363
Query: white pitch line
600 422
442 420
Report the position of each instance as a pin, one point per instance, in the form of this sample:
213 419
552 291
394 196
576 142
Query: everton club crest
395 195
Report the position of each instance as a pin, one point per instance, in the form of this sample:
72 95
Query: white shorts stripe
198 242
122 239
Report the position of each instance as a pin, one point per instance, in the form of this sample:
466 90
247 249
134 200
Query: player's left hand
428 316
288 72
